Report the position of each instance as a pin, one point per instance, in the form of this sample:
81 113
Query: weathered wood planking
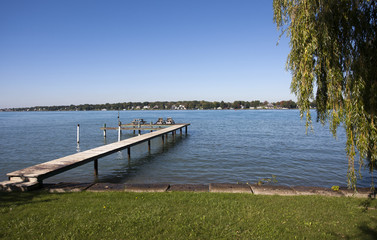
44 170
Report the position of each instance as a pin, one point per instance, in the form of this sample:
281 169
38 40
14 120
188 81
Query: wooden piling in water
119 132
78 133
104 130
96 167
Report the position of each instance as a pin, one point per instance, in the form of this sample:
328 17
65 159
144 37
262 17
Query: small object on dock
170 121
139 121
160 121
140 125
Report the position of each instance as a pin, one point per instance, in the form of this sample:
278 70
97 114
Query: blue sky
77 52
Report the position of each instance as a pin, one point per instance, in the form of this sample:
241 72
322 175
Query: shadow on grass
368 232
20 198
366 204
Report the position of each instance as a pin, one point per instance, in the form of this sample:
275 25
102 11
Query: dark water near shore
221 146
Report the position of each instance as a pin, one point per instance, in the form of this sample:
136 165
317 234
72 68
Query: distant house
180 107
146 107
138 108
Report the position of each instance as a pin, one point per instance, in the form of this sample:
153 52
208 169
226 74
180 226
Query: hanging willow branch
334 50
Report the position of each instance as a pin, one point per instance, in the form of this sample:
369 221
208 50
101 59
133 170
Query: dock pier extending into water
32 177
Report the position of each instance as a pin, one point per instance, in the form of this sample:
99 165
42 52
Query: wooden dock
32 177
134 128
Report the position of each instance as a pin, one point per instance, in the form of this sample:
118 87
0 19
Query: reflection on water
221 146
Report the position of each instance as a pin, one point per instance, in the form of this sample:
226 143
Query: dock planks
36 173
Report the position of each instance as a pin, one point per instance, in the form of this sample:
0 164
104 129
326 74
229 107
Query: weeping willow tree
333 60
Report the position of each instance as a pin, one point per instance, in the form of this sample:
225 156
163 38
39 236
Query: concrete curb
106 187
188 188
146 187
18 186
66 187
229 188
361 192
212 187
302 190
272 190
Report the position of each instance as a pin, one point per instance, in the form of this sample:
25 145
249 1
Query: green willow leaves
334 54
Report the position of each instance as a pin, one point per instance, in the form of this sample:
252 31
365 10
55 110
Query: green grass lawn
184 215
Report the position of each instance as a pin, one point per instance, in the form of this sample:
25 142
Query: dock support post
119 133
149 145
104 130
78 133
180 131
163 138
129 153
96 167
186 129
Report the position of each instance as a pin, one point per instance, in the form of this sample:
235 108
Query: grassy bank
182 215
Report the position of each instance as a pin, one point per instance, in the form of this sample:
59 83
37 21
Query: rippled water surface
221 146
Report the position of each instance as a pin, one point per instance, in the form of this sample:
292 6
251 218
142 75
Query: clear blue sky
77 52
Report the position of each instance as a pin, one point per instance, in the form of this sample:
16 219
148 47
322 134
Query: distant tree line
166 105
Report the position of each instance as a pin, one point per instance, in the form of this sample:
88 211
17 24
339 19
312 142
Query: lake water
221 146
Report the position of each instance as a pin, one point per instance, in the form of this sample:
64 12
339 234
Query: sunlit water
221 146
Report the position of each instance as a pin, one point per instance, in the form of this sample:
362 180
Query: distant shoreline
113 110
176 105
